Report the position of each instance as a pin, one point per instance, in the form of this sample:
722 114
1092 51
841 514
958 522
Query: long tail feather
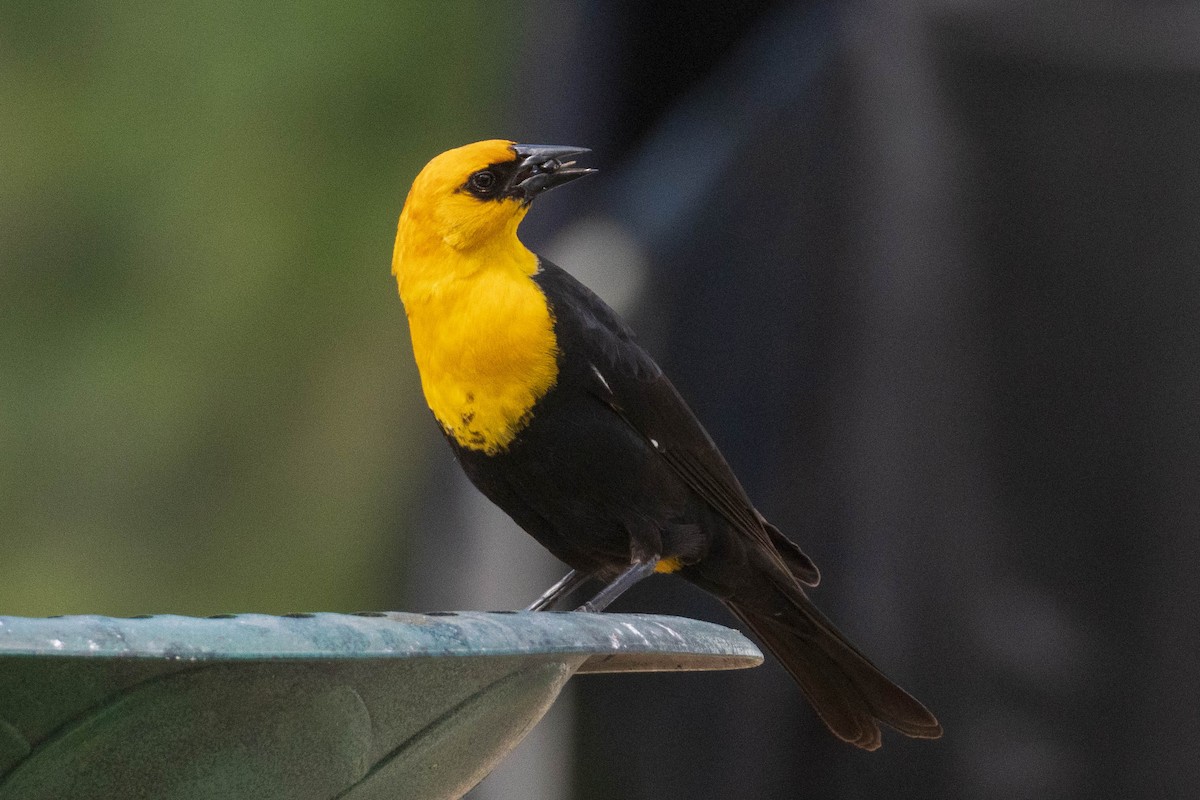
848 692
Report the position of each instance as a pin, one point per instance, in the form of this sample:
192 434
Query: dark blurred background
929 271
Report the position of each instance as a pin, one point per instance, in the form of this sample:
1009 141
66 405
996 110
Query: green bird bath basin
304 707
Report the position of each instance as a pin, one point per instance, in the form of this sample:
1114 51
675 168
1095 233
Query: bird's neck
483 338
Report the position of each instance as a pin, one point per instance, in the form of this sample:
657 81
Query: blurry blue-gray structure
304 707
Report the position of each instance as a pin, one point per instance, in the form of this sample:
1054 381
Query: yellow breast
482 332
486 351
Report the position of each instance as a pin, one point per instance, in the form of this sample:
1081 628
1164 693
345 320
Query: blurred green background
207 400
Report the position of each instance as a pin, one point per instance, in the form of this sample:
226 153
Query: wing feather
624 377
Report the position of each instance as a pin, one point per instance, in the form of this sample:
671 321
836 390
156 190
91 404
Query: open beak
541 167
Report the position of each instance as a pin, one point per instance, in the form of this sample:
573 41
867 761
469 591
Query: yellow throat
482 331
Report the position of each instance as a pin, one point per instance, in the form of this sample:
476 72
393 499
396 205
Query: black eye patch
490 182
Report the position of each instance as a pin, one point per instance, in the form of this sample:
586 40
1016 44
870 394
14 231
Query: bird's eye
484 181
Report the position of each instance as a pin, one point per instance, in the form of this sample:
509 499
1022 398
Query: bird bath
306 706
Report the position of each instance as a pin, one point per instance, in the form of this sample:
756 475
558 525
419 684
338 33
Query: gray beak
541 167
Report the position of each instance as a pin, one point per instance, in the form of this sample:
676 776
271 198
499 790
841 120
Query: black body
614 468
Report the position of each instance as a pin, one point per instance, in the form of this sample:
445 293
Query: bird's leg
636 571
569 583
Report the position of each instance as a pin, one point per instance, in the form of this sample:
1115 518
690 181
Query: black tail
848 692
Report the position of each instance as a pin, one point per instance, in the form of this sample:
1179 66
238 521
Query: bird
559 417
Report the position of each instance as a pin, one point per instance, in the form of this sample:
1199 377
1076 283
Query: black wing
625 378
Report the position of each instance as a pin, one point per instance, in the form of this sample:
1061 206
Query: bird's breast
486 351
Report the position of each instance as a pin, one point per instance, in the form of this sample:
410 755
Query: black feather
613 465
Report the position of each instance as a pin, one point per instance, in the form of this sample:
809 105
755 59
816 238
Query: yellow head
470 200
482 331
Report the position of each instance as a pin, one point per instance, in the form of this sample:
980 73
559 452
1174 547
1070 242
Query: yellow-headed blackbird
562 420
